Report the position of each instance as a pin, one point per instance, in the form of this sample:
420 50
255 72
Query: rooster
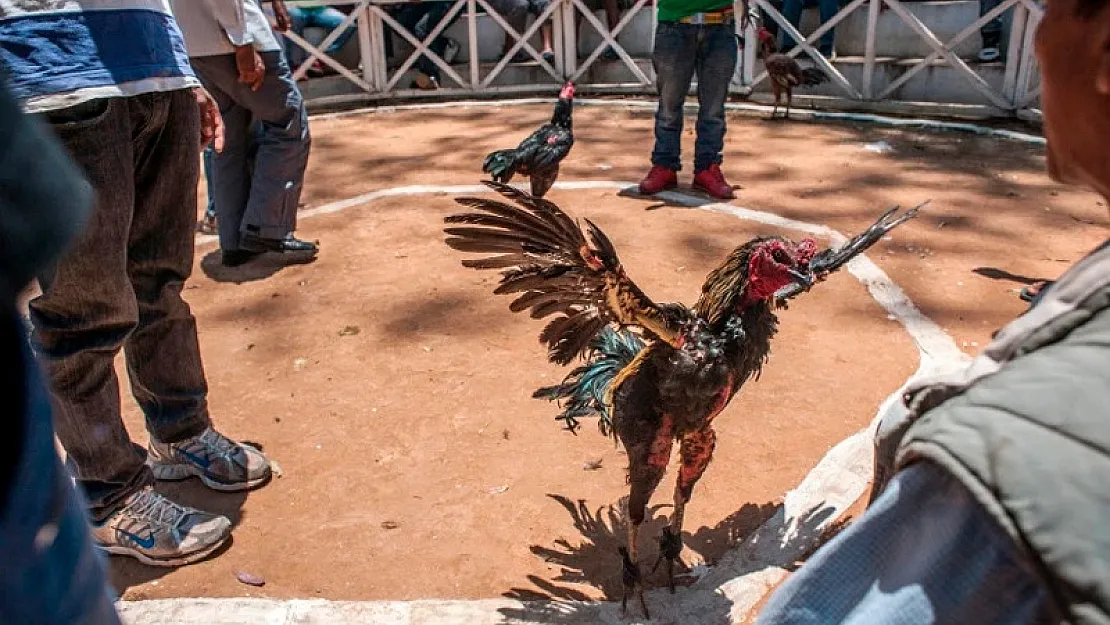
785 72
539 155
654 374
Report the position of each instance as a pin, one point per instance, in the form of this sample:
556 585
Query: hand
211 123
281 16
251 69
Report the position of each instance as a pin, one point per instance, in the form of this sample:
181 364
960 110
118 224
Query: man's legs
792 11
827 10
330 19
261 204
298 22
676 47
991 32
515 14
716 63
163 355
88 309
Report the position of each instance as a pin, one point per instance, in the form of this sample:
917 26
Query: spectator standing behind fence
827 9
991 32
116 85
328 18
990 499
420 19
239 60
693 36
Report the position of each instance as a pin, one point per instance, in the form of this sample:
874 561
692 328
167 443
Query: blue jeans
681 50
420 19
991 32
257 195
119 284
209 156
792 11
326 18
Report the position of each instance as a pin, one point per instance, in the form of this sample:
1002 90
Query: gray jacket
1026 429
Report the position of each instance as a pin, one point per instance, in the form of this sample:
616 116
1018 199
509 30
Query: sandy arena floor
394 389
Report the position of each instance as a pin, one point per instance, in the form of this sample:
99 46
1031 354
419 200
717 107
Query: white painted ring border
731 590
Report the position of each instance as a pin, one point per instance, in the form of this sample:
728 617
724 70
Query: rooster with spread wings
654 374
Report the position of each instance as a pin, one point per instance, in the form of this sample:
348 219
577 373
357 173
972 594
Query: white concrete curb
731 590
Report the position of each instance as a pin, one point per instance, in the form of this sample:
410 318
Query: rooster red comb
568 91
764 34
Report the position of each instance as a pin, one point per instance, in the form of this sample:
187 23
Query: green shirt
674 10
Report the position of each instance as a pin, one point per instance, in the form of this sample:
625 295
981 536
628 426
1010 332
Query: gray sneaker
221 463
159 532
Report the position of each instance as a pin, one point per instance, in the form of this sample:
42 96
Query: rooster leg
696 451
647 464
789 99
775 89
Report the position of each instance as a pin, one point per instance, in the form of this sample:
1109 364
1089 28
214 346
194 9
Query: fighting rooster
539 155
785 72
653 373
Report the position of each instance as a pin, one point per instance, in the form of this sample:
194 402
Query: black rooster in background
538 156
654 374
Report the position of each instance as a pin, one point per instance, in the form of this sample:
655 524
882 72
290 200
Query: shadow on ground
594 562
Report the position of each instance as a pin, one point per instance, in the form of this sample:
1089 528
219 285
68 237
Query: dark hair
1091 8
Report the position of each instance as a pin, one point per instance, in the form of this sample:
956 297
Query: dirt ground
394 389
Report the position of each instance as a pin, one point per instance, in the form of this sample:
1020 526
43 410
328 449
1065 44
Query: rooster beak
804 278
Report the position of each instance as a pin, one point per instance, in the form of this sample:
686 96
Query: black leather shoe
235 258
289 243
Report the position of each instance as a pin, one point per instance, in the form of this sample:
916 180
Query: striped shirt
59 53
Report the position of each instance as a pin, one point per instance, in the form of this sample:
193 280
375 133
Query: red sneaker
658 179
713 182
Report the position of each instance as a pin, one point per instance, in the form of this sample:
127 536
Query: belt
724 16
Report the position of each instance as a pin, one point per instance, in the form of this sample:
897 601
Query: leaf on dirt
505 434
497 490
276 468
390 525
350 331
591 465
300 363
249 579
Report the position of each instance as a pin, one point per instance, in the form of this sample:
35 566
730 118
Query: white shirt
213 27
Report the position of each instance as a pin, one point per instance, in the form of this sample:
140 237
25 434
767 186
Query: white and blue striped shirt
59 53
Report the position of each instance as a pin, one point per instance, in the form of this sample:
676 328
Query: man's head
1073 48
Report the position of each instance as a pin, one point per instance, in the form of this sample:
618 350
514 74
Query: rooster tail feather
583 392
812 76
501 165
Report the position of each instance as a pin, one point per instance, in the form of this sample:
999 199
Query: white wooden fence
1018 93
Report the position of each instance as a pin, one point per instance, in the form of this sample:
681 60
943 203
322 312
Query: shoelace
153 507
217 445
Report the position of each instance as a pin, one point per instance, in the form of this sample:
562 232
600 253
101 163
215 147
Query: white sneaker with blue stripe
159 532
221 463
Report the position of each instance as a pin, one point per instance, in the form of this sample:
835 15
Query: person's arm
925 552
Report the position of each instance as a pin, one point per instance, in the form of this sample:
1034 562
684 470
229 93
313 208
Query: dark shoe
549 56
289 243
658 179
235 258
710 180
207 225
610 55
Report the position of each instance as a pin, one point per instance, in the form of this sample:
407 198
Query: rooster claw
633 582
670 548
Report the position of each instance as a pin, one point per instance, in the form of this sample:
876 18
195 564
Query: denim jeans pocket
80 116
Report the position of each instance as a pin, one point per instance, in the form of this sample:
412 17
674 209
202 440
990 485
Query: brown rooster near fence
654 374
785 72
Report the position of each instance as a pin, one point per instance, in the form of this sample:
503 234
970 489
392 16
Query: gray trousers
119 286
258 197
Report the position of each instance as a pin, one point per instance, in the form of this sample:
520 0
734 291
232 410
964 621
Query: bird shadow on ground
767 539
1001 274
257 269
